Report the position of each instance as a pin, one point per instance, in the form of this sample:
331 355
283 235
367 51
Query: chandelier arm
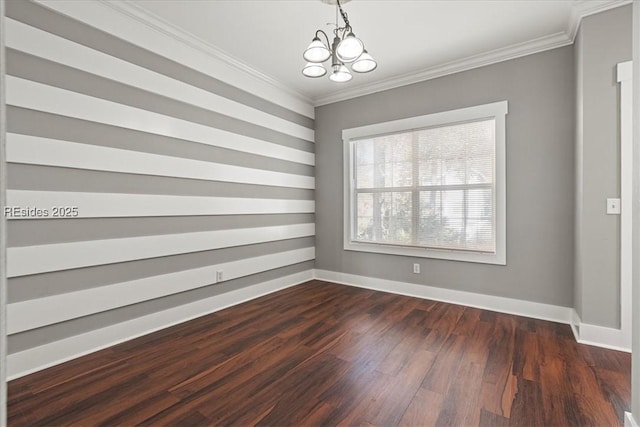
325 36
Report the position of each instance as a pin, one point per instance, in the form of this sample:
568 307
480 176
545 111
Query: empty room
320 213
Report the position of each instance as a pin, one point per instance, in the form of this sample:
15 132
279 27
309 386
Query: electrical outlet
416 268
219 276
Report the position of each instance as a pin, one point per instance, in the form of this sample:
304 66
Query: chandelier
345 49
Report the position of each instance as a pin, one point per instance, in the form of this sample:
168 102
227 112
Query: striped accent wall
170 168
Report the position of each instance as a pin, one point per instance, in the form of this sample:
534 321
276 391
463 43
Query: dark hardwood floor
326 354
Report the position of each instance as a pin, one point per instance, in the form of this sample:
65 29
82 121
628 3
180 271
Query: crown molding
151 20
590 7
480 60
583 8
580 10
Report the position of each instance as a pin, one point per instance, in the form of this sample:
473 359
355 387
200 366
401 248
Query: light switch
613 206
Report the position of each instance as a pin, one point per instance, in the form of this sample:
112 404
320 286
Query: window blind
431 187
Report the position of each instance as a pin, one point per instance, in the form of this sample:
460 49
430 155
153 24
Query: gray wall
603 41
58 290
540 177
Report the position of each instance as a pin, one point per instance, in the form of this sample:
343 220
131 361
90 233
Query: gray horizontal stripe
59 282
48 334
30 67
46 231
41 17
46 125
52 178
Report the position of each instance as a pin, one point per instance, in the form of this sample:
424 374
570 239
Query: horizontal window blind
432 187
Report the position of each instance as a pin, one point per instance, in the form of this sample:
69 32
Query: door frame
625 79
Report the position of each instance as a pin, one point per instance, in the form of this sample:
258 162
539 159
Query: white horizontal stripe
46 45
50 354
110 205
25 260
142 30
36 313
41 97
52 152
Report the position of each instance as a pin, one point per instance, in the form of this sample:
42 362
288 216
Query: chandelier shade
345 49
350 48
314 70
340 74
364 63
317 51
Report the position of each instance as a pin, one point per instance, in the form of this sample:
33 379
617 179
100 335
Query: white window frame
497 111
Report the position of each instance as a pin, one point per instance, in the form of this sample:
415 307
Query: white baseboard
575 324
629 421
600 336
47 355
51 354
39 312
535 310
584 333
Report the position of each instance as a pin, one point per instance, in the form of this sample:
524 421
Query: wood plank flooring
327 354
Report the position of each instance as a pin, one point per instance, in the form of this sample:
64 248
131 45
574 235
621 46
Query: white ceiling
411 40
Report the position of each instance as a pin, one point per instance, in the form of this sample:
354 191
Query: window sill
444 254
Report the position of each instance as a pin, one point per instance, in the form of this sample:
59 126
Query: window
430 186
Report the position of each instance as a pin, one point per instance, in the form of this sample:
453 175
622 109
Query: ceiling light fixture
346 48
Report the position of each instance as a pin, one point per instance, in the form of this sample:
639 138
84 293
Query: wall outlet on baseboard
219 276
416 268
